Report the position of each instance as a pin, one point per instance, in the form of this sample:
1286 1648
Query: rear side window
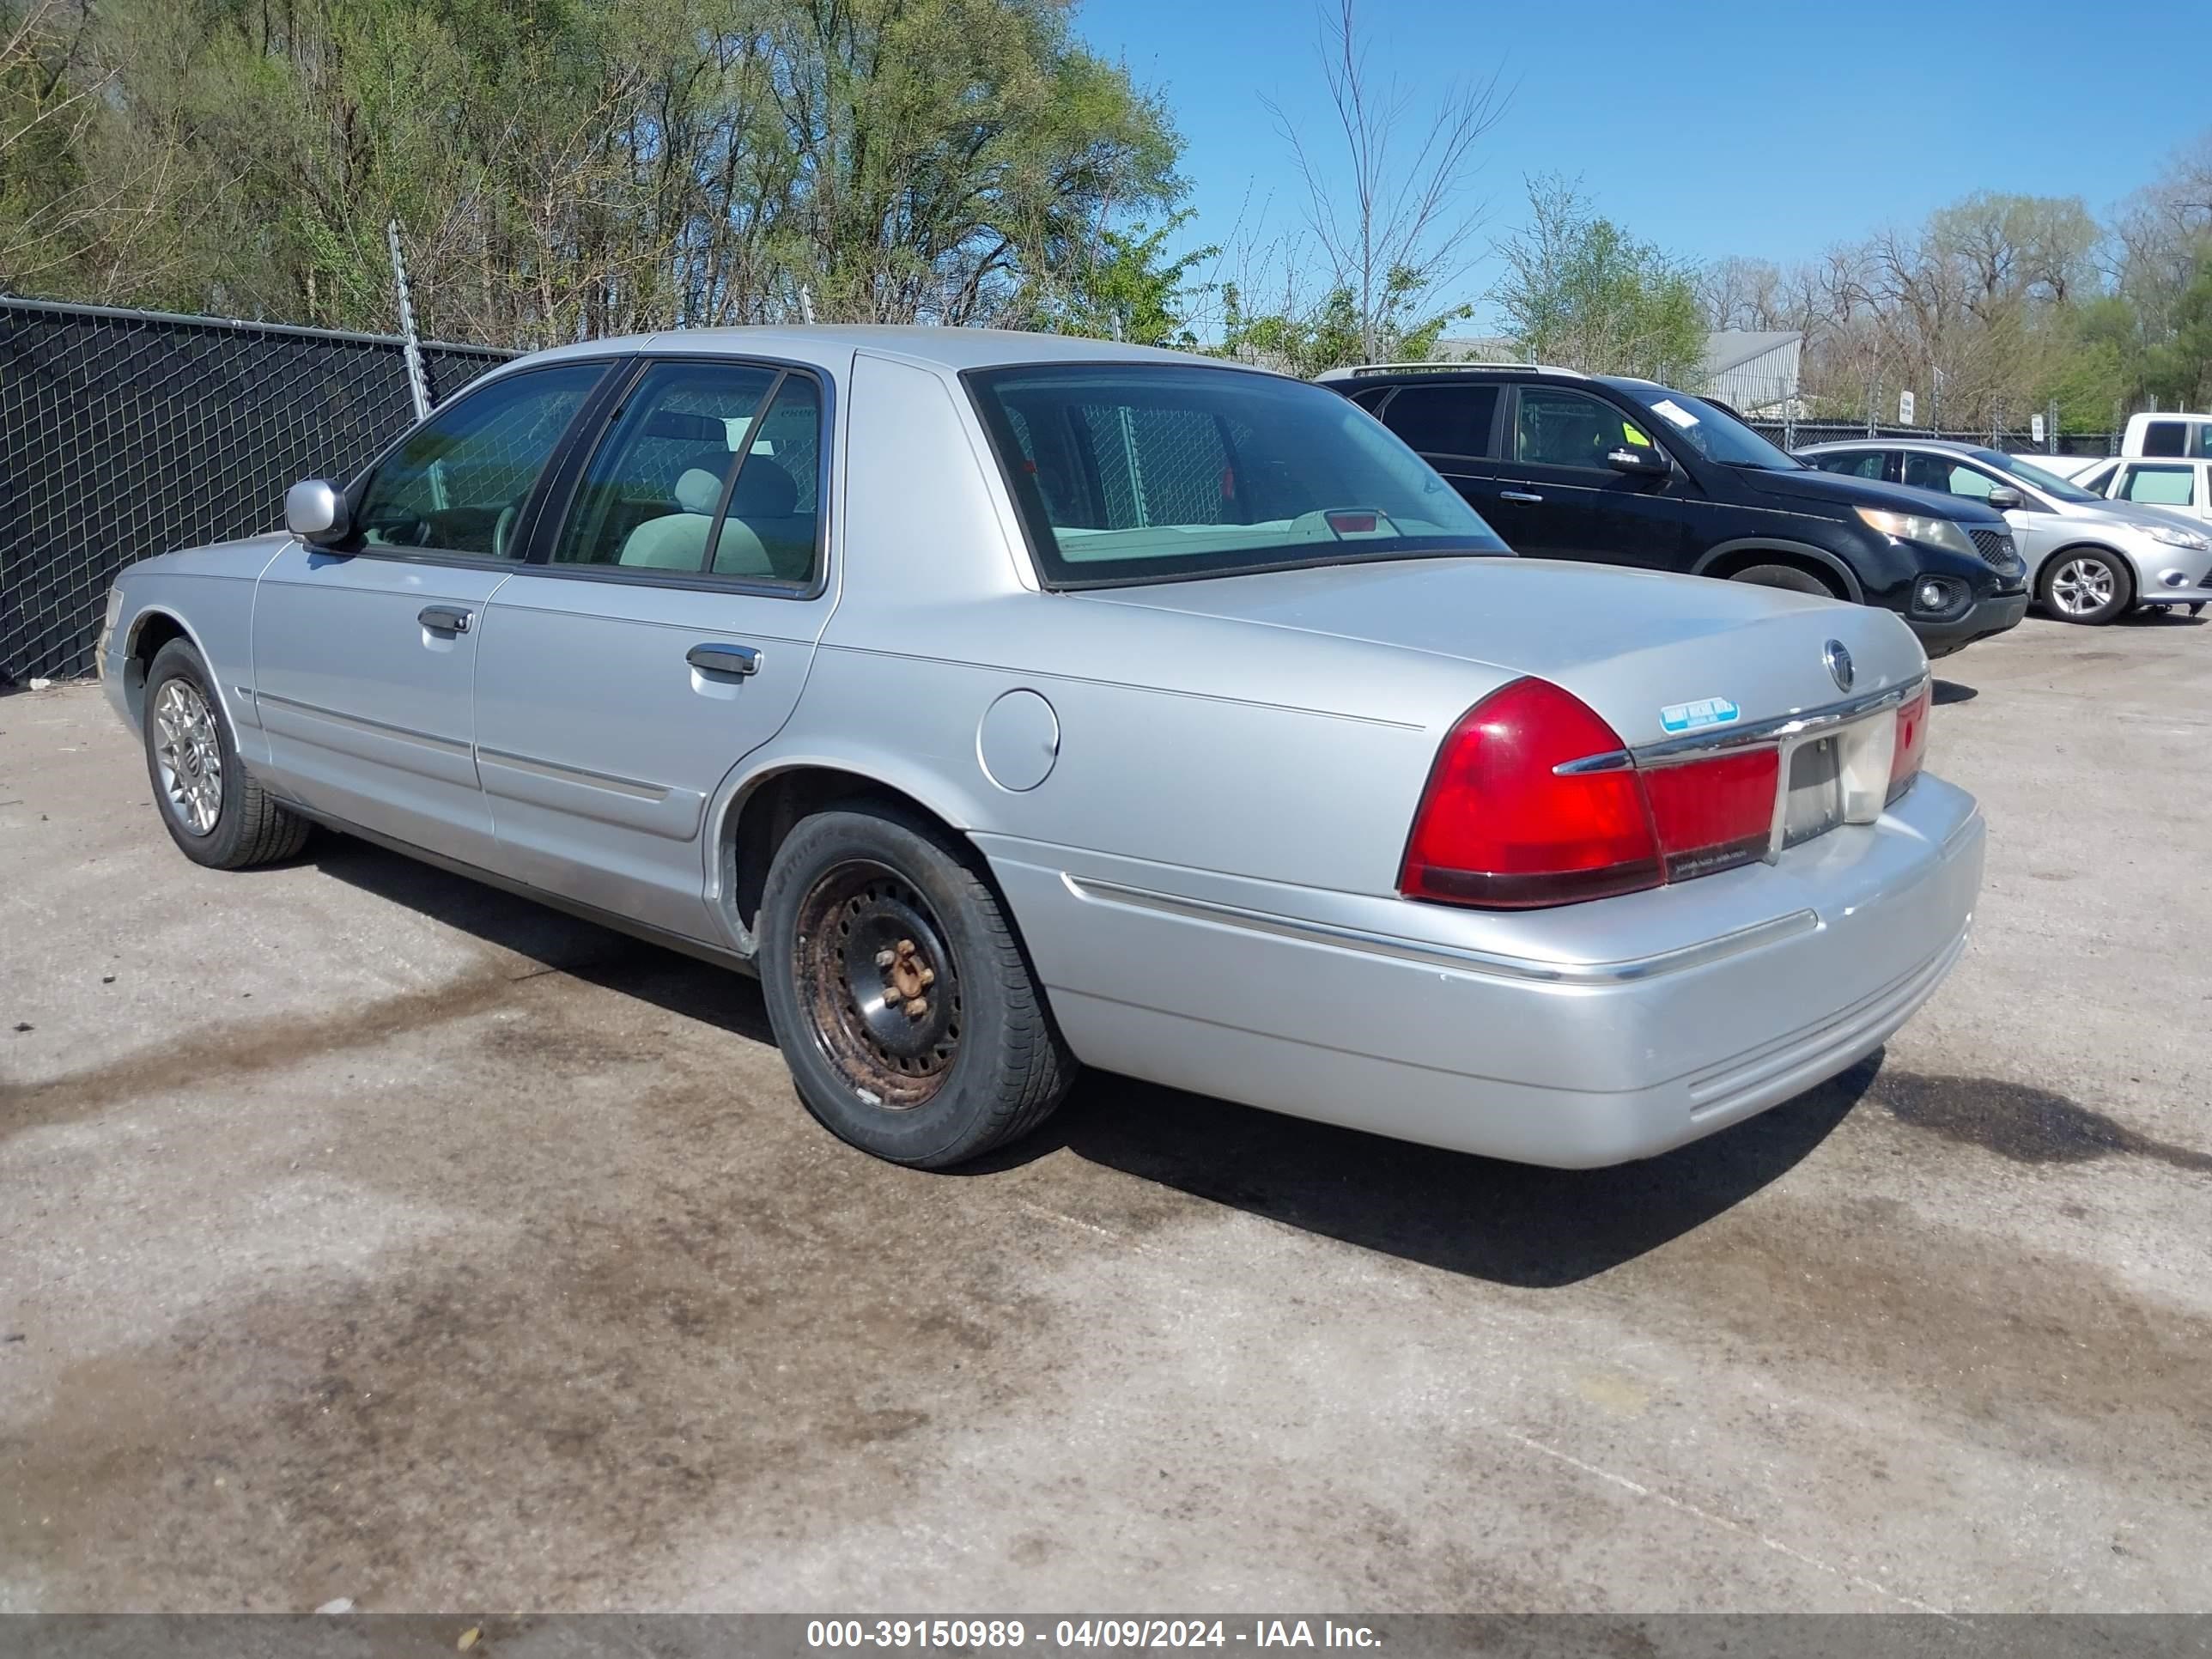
1857 464
1444 420
2165 438
2160 486
711 470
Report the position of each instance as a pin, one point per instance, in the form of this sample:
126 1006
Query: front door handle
1529 496
737 659
445 618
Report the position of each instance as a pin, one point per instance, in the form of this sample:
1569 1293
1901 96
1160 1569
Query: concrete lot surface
366 1233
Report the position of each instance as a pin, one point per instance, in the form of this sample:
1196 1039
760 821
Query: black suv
1567 465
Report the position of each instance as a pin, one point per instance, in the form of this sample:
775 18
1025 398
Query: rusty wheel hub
881 988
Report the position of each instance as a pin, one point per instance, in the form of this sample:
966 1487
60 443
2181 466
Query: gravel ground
366 1233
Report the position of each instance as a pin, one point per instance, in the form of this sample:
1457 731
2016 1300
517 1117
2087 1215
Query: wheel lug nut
926 978
917 1008
884 958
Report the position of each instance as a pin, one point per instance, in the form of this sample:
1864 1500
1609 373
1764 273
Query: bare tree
1397 226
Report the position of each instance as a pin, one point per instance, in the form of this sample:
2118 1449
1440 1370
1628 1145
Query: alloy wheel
2083 586
188 750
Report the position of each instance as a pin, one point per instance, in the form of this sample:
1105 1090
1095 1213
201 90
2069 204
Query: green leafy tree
1581 291
1340 330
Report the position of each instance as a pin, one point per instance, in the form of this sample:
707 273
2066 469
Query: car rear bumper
1993 615
1522 1037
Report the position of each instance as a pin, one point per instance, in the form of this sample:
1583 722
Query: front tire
902 1002
1787 576
214 809
2088 586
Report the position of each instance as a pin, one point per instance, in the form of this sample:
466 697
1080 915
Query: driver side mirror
315 511
2003 500
1640 462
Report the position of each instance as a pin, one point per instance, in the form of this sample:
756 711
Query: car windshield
1135 472
1714 432
2028 473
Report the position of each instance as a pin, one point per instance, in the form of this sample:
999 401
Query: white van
2183 436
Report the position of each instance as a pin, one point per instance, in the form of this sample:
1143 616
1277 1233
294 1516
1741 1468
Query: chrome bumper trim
1457 958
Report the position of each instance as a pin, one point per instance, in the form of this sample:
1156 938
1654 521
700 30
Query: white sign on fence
2035 428
1905 408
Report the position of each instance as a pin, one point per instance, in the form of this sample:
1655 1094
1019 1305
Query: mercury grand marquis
1009 703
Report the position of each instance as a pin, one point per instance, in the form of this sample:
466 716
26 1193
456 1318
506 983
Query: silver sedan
1008 704
2089 560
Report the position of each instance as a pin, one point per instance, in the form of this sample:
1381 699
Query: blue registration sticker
1706 711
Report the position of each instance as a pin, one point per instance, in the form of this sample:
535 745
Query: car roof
1937 445
950 349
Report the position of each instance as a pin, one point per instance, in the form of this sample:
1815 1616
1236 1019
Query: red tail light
1911 743
1501 826
1498 826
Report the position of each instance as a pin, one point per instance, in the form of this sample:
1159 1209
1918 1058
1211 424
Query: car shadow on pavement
583 949
1950 692
1512 1223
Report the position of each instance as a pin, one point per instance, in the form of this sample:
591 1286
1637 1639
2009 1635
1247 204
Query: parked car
1008 703
2089 560
2184 435
1619 471
2179 490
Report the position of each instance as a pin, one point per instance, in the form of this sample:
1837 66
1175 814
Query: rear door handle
737 659
445 618
1520 495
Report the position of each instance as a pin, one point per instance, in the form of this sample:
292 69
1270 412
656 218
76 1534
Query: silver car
1008 704
2089 560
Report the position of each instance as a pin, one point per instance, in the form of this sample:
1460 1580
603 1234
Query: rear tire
902 1002
2088 586
214 809
1785 576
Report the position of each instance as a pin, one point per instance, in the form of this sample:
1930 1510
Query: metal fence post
418 384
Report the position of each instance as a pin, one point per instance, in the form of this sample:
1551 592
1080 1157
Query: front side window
1131 472
1856 464
2159 486
457 484
1444 420
2096 479
711 470
1946 477
1570 428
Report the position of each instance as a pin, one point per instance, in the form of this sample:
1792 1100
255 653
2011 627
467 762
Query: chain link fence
125 433
1796 434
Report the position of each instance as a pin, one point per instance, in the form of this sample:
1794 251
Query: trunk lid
1657 656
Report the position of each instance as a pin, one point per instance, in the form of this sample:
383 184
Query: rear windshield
1136 473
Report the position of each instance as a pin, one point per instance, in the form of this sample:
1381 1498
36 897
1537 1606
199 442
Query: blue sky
1712 127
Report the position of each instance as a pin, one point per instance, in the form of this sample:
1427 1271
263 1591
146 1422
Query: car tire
2087 585
903 1003
1786 576
216 810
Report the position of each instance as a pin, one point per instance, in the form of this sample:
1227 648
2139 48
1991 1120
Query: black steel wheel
882 991
902 1001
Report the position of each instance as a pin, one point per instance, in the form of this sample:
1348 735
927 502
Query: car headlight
1919 527
2175 536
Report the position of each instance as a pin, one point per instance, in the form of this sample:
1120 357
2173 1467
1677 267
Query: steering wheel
505 527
